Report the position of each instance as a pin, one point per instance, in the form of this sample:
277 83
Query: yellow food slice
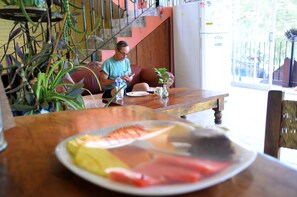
74 145
97 160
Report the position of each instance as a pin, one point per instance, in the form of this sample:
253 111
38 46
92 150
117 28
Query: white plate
152 89
246 158
137 93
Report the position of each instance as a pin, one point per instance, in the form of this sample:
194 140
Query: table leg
218 111
218 116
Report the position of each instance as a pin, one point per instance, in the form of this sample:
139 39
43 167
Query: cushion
90 81
149 76
136 79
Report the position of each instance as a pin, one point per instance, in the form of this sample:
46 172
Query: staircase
119 20
134 29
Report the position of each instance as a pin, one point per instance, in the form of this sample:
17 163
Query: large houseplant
39 79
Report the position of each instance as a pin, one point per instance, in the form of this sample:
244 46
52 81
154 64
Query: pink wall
130 4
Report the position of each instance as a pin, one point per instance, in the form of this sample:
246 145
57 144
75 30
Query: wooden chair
281 123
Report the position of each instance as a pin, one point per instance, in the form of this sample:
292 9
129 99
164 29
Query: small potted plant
291 34
164 79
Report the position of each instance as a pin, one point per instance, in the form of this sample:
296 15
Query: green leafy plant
50 89
164 77
113 97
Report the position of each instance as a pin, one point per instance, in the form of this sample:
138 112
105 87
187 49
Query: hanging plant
27 3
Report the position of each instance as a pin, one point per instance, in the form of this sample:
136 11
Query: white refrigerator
202 45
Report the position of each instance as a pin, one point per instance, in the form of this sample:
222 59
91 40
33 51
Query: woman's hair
121 44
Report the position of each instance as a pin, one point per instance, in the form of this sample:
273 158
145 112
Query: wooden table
29 167
181 102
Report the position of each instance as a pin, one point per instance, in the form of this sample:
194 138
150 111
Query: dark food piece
211 144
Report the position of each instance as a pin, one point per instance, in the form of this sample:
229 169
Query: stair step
109 45
152 11
106 34
132 22
85 55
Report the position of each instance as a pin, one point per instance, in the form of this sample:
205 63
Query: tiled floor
244 115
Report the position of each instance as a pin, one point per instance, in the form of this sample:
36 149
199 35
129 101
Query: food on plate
204 142
132 155
167 169
119 137
75 144
204 166
212 144
128 132
160 141
180 133
168 173
97 160
130 177
152 155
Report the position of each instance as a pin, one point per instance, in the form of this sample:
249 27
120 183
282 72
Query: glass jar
165 92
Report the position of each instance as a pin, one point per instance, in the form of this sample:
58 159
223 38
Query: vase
165 92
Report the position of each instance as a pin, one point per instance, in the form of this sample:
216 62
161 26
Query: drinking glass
3 143
159 91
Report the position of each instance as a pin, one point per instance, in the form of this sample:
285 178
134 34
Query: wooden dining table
29 166
180 102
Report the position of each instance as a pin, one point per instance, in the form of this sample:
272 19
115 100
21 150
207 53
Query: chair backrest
281 123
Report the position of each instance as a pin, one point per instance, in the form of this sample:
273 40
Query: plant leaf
17 88
29 98
61 45
8 60
15 61
14 34
18 51
44 105
21 107
76 89
69 78
69 102
44 54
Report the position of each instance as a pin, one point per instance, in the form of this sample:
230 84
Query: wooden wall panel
154 50
133 56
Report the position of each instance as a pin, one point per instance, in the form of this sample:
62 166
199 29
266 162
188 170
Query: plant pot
28 3
36 9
